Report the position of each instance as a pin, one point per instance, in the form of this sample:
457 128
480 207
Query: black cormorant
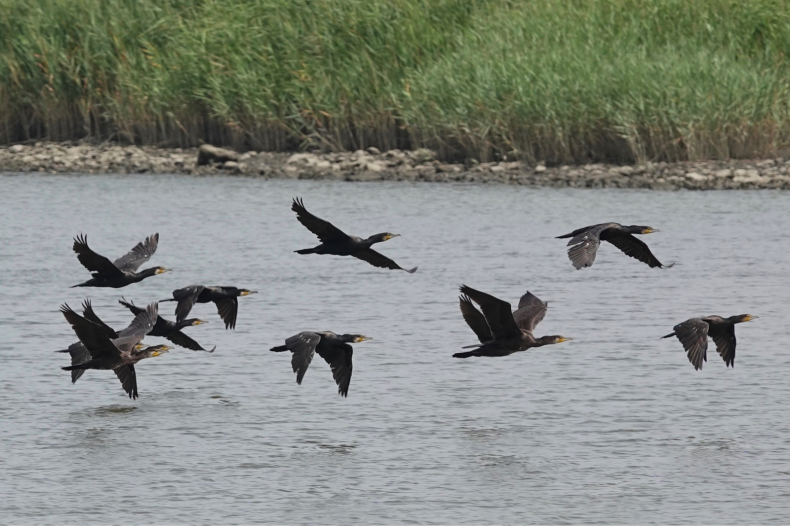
170 329
333 348
118 355
501 332
336 242
693 334
80 354
225 298
586 241
121 272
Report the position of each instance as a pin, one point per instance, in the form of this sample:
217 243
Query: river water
613 427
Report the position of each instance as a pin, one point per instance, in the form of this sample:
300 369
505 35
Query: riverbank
394 165
621 81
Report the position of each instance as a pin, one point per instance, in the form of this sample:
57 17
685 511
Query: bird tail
80 285
565 236
281 348
464 354
671 334
306 251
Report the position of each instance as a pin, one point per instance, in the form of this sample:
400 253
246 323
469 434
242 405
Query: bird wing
379 260
497 313
633 247
93 336
475 319
530 312
227 309
339 359
325 230
92 261
724 338
128 378
136 331
79 354
88 314
186 298
131 306
693 334
585 246
182 340
302 346
141 253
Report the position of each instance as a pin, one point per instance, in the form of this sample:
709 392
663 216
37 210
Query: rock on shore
393 165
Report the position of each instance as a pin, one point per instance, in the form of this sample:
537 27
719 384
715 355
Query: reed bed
562 82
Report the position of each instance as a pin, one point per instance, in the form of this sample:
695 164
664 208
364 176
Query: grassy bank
568 81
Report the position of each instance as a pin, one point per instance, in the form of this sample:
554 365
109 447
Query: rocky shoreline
393 165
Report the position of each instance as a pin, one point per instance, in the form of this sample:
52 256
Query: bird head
746 317
195 321
157 350
644 229
161 270
354 338
550 340
378 238
245 292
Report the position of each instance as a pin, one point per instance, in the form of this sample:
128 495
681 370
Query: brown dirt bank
394 165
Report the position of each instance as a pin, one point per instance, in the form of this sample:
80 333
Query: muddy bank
393 165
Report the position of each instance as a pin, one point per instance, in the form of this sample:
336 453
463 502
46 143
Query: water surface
614 427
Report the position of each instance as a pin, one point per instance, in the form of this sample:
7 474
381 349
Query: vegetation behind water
566 81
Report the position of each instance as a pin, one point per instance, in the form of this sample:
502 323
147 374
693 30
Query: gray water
613 427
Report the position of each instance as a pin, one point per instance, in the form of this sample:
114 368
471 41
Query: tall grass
563 81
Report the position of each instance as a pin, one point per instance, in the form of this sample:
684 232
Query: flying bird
120 354
334 348
170 329
500 331
693 334
336 242
585 241
122 271
225 298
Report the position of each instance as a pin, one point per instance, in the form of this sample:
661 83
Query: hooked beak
650 230
564 339
199 322
163 270
248 292
750 318
163 350
387 238
362 339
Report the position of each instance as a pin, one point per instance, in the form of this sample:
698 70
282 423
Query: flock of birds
499 331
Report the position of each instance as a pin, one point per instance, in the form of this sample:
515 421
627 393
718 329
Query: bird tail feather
306 251
281 348
464 354
78 366
671 334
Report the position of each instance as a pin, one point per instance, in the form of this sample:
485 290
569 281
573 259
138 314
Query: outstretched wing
475 319
186 298
79 354
634 248
585 246
128 378
93 336
339 359
693 334
93 261
131 306
88 314
497 313
530 312
141 253
302 346
228 308
379 260
182 340
724 338
325 230
136 331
